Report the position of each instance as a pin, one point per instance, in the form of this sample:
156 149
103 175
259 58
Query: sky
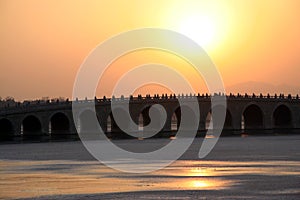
252 43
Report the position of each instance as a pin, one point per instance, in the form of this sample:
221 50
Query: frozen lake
256 167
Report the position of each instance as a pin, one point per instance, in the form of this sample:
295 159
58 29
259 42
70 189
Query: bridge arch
59 123
252 117
228 118
177 119
31 125
282 117
109 123
6 127
144 118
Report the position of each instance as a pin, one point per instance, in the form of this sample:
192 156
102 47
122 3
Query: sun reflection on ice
200 172
199 184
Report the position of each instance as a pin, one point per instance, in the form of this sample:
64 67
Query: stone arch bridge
244 113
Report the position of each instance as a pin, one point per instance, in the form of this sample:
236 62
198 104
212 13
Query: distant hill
262 87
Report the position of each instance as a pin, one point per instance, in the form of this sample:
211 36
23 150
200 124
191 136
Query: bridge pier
17 124
236 121
268 121
45 126
167 126
295 116
205 108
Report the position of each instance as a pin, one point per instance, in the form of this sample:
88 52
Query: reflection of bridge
243 112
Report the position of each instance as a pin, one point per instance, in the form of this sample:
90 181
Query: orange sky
43 43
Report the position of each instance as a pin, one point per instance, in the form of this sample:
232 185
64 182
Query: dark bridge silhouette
244 114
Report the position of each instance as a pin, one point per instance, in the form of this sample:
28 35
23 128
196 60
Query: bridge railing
29 105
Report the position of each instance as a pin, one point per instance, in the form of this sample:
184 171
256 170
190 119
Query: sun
201 29
208 23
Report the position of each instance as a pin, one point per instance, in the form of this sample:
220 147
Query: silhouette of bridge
244 113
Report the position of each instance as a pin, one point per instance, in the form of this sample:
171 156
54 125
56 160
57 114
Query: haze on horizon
43 43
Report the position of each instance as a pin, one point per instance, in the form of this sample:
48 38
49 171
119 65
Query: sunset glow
254 44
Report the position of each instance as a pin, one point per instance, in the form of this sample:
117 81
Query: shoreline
75 137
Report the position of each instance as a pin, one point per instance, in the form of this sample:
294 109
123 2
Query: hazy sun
201 29
206 22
